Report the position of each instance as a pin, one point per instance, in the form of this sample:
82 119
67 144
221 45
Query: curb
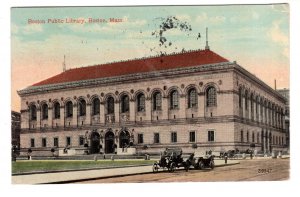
74 170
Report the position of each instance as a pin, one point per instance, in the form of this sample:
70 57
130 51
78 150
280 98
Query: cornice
138 76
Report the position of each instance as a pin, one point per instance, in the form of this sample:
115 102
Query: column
148 108
165 108
102 112
117 111
50 114
62 116
244 106
182 106
132 110
75 116
38 117
88 114
201 105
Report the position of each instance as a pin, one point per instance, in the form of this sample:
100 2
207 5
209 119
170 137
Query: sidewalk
70 176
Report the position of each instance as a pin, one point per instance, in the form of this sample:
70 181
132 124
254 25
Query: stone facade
218 106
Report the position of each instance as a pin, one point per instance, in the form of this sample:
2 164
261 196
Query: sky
256 36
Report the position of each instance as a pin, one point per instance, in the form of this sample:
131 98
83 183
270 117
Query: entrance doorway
124 139
95 143
109 142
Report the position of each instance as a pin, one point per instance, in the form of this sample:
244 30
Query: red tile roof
158 63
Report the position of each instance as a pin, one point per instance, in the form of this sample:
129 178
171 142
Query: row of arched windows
265 110
192 102
276 140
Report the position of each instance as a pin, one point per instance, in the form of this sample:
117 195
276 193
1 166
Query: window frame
174 100
156 138
68 141
211 96
211 136
32 142
174 137
140 138
69 109
56 140
44 142
192 136
192 99
141 102
157 101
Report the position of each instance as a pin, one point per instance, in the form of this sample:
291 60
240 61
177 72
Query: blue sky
256 36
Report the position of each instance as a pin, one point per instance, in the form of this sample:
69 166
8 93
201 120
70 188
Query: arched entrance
95 143
124 139
109 142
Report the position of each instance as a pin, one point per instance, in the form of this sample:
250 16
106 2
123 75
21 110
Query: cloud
213 19
32 28
183 17
279 37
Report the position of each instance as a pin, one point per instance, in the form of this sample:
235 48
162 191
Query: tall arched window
141 102
253 138
211 97
96 106
32 110
247 136
257 107
246 100
240 98
156 101
44 111
110 104
251 106
257 137
174 100
69 109
56 110
82 107
192 98
124 104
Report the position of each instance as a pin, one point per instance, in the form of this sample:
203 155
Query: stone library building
196 100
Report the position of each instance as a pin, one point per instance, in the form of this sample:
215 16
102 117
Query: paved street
247 170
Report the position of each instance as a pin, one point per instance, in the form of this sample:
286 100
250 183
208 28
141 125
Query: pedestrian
225 157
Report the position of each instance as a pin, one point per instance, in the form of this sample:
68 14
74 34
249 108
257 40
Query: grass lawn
46 165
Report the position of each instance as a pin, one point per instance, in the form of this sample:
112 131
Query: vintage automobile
200 163
170 159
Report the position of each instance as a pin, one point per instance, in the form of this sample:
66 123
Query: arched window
56 110
247 136
192 98
124 104
96 106
258 136
69 109
246 100
242 136
240 98
32 112
174 99
257 107
157 101
253 138
44 111
211 97
110 104
82 107
141 102
251 106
